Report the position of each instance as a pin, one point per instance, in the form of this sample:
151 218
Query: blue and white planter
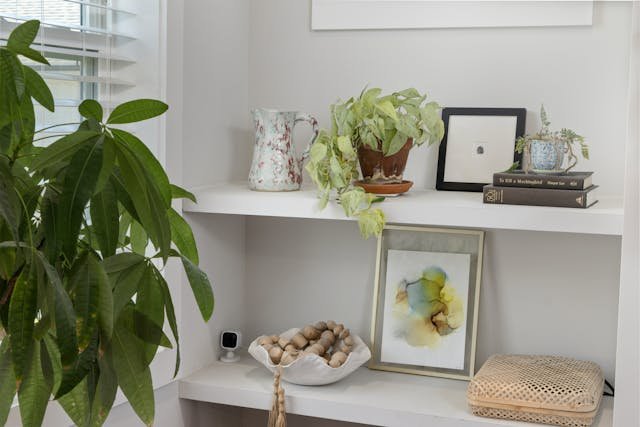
547 156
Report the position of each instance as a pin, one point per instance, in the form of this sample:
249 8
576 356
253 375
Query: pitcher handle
572 160
303 117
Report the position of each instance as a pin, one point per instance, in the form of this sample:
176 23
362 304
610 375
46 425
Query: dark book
540 196
568 181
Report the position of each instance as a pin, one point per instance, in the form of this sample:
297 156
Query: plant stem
50 136
55 126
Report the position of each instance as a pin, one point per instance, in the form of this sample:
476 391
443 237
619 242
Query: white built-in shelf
423 207
366 396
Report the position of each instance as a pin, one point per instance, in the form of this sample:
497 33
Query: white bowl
312 369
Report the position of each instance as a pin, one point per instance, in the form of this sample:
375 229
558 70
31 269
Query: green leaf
147 201
91 109
337 178
171 316
371 222
133 374
201 288
34 55
24 34
62 149
123 196
122 261
34 392
181 193
148 331
345 146
148 160
79 369
135 111
105 303
318 152
87 279
182 236
371 94
9 204
7 381
108 164
352 200
22 37
13 72
409 93
126 285
106 389
105 219
76 403
397 142
150 302
54 355
38 89
22 313
79 183
387 108
139 239
50 218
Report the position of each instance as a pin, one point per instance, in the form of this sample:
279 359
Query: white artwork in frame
478 146
426 297
408 338
397 14
477 143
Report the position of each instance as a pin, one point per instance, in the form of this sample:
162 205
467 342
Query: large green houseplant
376 132
86 225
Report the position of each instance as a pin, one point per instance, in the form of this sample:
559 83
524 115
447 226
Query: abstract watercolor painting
425 309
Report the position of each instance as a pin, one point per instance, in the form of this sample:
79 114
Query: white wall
541 293
215 146
216 122
580 74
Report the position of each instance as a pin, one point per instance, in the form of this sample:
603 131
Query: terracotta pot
376 168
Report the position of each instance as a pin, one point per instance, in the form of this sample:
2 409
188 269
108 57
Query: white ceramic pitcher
275 165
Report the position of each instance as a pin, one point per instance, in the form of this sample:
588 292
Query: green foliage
382 123
385 123
565 137
81 302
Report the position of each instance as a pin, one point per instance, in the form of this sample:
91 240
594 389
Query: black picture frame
447 113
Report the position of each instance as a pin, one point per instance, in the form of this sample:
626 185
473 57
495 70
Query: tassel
277 415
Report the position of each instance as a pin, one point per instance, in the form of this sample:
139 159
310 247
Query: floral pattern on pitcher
275 165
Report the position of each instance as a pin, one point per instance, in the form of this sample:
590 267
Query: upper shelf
366 396
419 207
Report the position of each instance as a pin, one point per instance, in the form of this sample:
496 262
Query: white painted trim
399 14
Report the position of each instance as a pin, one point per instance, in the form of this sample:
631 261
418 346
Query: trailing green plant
333 165
381 123
566 137
86 225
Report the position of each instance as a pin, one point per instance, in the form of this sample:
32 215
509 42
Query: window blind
86 42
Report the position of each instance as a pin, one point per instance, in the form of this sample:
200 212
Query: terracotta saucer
386 190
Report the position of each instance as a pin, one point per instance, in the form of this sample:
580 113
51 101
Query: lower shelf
368 397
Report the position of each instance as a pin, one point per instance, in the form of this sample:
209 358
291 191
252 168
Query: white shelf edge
369 397
418 207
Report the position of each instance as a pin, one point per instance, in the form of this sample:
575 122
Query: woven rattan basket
539 389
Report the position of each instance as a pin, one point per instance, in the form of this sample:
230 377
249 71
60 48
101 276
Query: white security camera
230 341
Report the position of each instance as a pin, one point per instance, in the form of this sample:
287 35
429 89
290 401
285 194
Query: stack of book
570 190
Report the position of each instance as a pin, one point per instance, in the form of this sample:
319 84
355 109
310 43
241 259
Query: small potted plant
545 151
375 133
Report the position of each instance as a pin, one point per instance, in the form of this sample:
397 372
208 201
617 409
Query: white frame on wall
407 14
